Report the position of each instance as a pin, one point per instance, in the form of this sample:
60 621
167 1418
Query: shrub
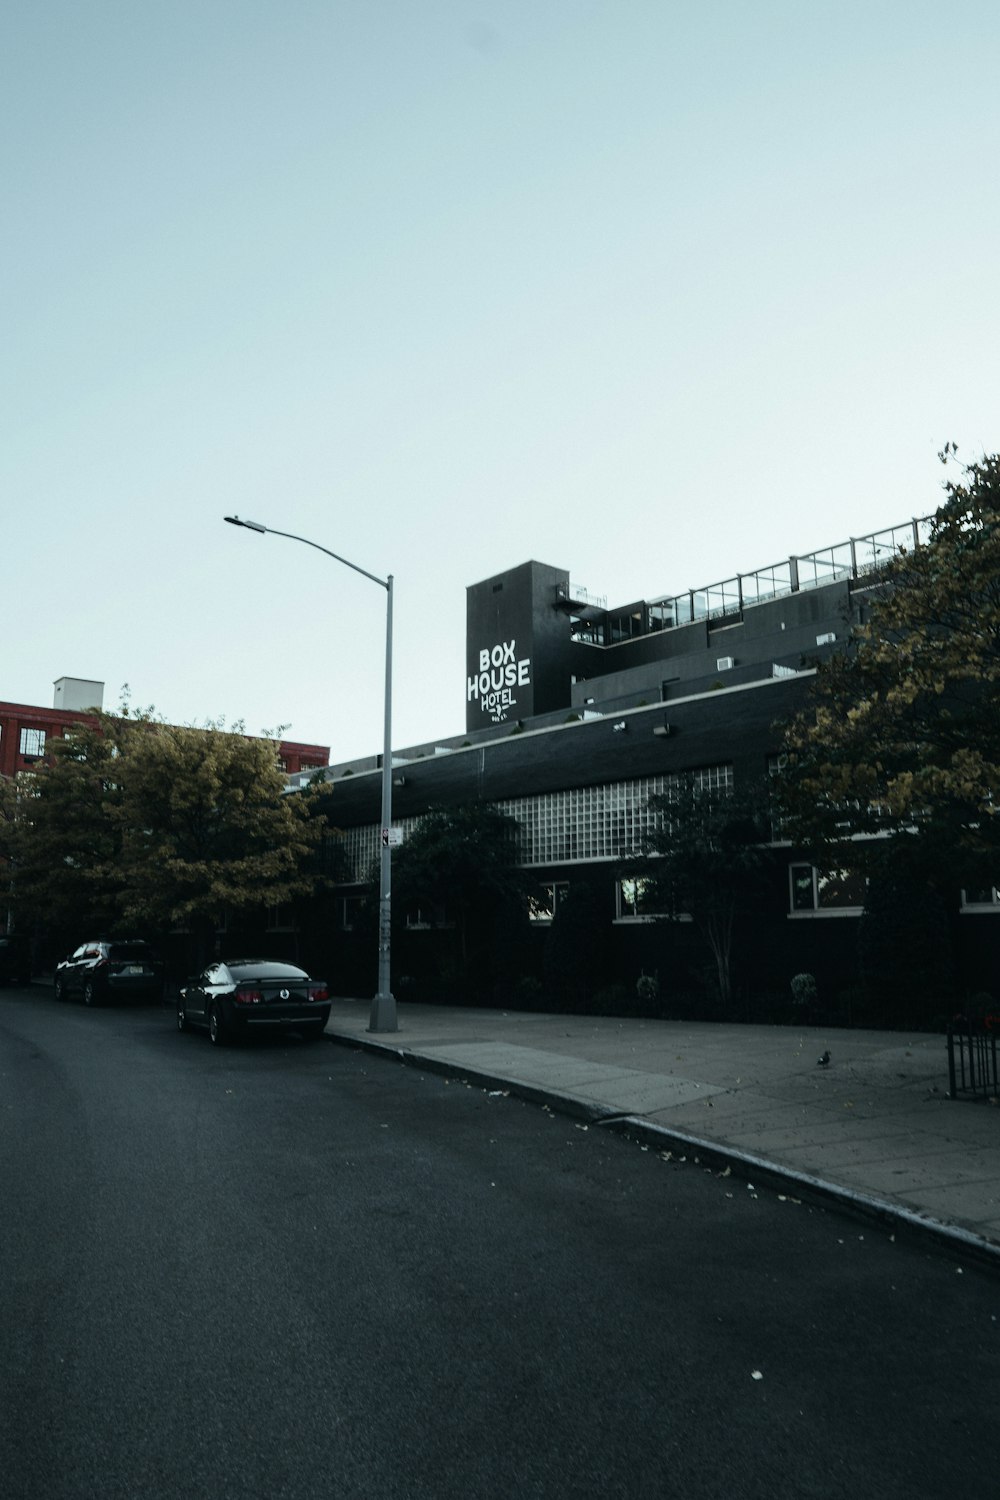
528 993
647 987
804 989
612 1000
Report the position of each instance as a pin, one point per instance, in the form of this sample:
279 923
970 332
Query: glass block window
581 825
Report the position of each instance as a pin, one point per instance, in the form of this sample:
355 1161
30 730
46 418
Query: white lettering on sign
499 673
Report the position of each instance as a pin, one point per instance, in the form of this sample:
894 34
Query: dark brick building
577 713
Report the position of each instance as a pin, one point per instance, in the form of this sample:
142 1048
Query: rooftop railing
845 560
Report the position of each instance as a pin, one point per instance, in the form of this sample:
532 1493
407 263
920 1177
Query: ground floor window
639 899
545 900
981 898
825 892
348 912
426 916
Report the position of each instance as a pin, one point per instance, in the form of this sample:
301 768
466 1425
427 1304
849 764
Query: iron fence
972 1059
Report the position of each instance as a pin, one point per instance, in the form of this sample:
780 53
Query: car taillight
247 996
318 992
101 963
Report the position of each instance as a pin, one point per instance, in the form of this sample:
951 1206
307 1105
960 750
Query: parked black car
103 971
15 959
242 995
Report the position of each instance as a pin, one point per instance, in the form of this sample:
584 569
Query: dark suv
15 959
102 971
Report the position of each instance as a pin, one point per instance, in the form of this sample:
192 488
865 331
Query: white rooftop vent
77 693
827 639
725 664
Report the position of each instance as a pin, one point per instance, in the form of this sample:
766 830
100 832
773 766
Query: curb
935 1233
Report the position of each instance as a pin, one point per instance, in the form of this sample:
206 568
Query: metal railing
972 1058
851 559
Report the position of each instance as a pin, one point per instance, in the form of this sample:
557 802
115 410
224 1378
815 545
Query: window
814 892
580 824
280 918
545 900
981 898
638 900
348 910
32 742
422 918
776 766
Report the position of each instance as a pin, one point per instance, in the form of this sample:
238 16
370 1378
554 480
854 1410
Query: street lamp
383 1011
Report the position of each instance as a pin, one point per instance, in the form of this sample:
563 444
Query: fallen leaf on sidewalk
756 1375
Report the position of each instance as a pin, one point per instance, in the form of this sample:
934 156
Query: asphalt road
291 1271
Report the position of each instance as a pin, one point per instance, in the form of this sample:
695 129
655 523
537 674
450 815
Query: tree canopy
63 832
206 826
903 730
133 823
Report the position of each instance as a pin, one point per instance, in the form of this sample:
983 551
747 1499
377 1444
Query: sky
650 291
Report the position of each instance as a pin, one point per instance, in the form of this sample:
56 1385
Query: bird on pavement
824 1061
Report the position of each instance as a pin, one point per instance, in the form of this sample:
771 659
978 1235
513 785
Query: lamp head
250 525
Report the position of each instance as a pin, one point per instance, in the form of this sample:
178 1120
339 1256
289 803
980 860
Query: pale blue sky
654 292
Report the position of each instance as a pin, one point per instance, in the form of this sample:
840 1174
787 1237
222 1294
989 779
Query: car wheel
217 1033
89 993
59 988
182 1020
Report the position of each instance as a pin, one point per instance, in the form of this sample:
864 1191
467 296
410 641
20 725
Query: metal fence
972 1059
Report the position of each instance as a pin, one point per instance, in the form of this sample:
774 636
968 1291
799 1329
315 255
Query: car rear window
266 971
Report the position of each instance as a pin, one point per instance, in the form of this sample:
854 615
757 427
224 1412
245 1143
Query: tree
578 959
463 861
207 825
64 837
903 730
905 941
709 848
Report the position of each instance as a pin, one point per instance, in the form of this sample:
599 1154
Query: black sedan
102 971
242 995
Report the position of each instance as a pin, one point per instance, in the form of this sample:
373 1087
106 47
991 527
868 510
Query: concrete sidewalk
873 1130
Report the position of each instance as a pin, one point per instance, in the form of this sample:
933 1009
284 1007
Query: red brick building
25 730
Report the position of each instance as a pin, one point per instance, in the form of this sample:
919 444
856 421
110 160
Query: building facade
26 729
577 714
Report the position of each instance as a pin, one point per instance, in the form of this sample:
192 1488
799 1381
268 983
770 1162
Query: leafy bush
647 987
804 989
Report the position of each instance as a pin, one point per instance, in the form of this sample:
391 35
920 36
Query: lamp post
383 1011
